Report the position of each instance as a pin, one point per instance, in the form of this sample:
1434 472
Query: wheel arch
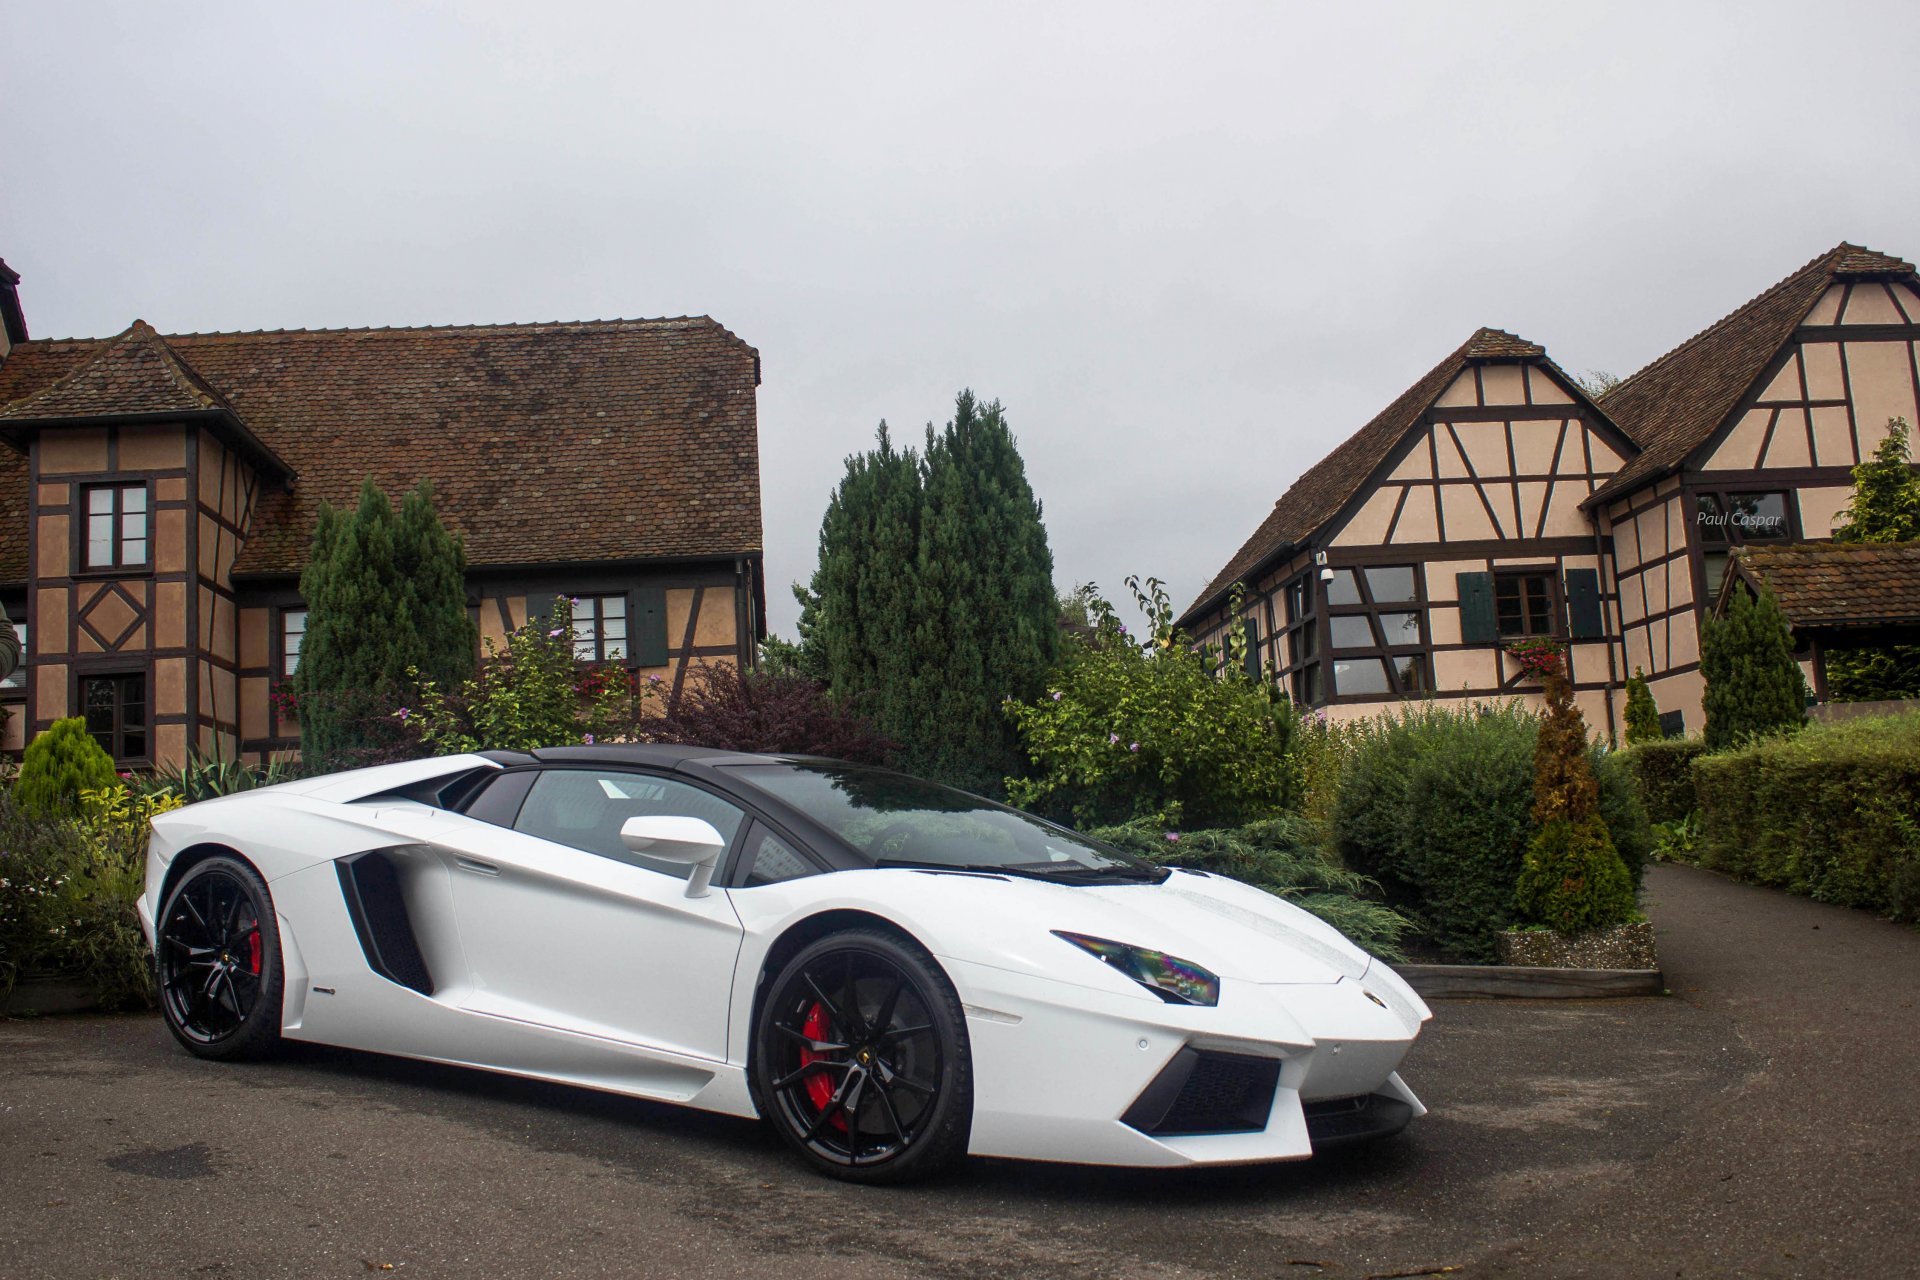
192 856
802 933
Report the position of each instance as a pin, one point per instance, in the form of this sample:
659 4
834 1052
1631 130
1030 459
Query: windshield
898 821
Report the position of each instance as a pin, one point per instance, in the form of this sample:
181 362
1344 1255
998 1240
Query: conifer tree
385 592
1643 713
1572 878
62 761
986 604
1885 508
933 600
1754 686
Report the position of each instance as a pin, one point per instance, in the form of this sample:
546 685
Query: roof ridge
454 327
181 374
1832 255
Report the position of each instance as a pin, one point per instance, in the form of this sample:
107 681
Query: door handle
476 866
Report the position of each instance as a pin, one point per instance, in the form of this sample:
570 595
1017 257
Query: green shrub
1754 685
1149 730
1572 880
1280 855
1620 808
204 777
1830 812
68 885
1435 805
1643 713
59 764
1663 774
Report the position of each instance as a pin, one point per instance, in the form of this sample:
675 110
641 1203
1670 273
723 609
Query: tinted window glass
1401 628
772 860
895 820
1759 517
499 800
585 808
1391 584
1344 589
1366 676
1351 632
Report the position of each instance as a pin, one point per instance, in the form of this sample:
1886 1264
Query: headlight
1174 980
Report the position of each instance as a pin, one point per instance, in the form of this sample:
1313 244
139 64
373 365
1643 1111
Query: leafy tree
1643 713
1572 879
385 595
933 599
1145 730
1754 686
1885 507
58 765
1598 382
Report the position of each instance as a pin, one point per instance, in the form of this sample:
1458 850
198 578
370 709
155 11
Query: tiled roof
1839 584
133 373
1674 405
595 440
1318 496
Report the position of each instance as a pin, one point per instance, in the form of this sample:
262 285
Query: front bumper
1069 1073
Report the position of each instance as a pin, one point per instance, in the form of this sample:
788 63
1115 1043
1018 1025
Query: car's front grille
1204 1091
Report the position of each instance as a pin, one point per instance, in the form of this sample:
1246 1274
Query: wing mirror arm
693 843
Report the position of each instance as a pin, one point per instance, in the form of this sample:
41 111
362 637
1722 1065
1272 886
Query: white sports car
891 971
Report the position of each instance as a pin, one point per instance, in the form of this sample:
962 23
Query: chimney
13 322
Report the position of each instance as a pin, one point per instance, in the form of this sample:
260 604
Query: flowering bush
529 695
1131 729
1538 658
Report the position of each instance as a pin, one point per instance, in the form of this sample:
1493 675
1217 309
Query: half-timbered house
1495 501
160 495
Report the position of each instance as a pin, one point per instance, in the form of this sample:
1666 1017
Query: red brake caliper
253 953
820 1083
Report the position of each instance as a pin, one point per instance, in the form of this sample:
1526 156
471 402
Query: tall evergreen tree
933 600
1885 508
1754 686
986 601
385 592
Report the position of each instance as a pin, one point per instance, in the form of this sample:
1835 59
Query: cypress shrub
1833 813
1643 713
1754 686
58 765
1622 811
1662 773
1572 879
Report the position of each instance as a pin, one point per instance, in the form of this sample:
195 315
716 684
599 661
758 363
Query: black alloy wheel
861 1059
218 961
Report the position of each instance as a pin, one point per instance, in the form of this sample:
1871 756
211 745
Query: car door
563 926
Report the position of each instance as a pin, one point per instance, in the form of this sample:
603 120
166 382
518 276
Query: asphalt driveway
1760 1122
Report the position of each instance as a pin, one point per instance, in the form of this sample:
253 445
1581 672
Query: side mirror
691 842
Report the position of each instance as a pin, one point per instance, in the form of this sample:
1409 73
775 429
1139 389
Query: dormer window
116 526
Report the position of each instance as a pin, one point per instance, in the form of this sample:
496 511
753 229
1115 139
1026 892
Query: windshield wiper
975 868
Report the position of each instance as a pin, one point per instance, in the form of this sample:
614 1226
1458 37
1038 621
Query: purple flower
653 679
1113 739
551 634
1134 747
586 739
1056 695
1173 837
403 713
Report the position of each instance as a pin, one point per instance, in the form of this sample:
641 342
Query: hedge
1832 812
1663 771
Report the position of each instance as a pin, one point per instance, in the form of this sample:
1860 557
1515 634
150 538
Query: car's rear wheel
861 1059
218 961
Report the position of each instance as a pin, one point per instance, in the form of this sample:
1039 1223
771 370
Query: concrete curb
1520 982
32 997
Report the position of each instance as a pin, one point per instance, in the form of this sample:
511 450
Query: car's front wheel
218 961
861 1058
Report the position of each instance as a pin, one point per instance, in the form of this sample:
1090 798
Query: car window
769 860
585 809
499 799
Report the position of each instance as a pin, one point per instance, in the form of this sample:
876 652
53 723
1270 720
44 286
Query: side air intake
371 885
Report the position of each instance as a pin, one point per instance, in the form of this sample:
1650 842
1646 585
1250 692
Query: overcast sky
1190 246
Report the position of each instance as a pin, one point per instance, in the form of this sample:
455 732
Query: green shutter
1478 625
1251 631
647 626
1583 604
